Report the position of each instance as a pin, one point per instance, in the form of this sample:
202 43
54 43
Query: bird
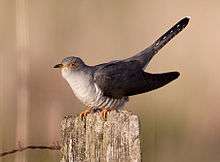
108 86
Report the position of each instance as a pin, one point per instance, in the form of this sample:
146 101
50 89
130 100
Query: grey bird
107 86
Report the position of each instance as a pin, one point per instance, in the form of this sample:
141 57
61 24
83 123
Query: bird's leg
104 112
85 113
126 109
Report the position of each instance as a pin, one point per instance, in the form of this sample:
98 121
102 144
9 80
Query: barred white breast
90 94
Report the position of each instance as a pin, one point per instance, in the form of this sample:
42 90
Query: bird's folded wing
127 78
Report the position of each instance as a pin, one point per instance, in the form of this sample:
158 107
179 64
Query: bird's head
70 64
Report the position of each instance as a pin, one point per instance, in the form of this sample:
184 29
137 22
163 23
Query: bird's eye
73 65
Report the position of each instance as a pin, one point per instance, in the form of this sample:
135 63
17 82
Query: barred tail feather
146 55
165 38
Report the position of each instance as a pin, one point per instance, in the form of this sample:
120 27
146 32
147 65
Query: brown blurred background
179 122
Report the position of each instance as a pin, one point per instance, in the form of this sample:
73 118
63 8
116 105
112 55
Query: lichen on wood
97 140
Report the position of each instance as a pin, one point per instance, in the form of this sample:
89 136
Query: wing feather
122 78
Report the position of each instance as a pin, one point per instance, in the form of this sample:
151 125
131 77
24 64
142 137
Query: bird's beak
58 66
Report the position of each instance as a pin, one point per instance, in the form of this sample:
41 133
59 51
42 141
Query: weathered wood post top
97 140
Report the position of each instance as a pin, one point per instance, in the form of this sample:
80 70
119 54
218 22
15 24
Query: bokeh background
180 122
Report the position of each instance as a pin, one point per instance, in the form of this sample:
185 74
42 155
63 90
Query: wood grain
94 139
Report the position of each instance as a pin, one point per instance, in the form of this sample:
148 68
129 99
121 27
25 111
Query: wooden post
96 140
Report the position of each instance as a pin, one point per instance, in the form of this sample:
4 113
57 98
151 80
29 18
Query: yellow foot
125 109
104 113
85 113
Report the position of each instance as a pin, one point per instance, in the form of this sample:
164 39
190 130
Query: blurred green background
179 122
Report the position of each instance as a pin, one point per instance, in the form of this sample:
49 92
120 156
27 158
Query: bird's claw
104 113
83 114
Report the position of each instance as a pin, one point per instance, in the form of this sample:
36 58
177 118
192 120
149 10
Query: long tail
146 55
